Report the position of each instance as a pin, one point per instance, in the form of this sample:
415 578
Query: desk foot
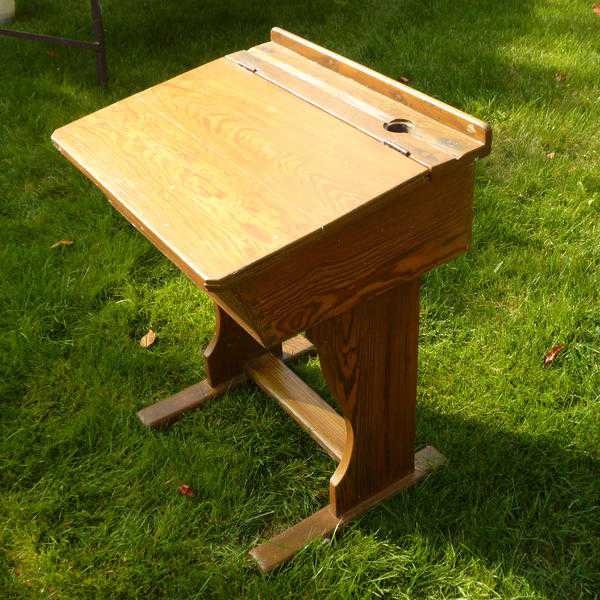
284 546
170 409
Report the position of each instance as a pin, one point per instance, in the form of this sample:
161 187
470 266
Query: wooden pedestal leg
230 349
369 359
226 357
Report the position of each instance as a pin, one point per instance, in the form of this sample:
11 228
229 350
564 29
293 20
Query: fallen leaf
551 155
403 79
553 353
62 243
596 9
185 490
560 77
148 339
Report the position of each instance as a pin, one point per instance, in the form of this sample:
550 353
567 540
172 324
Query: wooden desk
304 193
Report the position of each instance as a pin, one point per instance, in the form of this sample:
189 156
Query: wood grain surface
397 91
426 140
325 522
394 239
223 168
369 359
165 412
283 546
230 349
303 404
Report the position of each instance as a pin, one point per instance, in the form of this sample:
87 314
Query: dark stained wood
229 350
324 522
303 404
172 408
369 359
426 461
396 238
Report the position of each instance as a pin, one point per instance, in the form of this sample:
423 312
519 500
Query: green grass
88 499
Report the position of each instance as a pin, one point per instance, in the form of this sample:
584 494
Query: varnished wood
172 408
303 404
427 141
394 239
203 168
230 349
297 346
280 548
438 110
270 178
369 360
240 181
165 412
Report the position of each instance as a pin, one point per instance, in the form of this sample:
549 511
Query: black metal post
98 45
98 26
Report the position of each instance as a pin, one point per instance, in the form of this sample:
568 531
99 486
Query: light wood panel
427 141
441 112
302 403
223 168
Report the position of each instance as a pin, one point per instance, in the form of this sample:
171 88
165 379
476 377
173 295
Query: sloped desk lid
236 160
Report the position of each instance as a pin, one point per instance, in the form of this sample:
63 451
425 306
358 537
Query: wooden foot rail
172 408
304 405
324 522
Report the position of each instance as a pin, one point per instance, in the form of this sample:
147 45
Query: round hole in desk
398 126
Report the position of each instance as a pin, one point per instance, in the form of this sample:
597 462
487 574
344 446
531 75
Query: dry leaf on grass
551 155
148 339
185 490
553 353
596 9
62 243
560 77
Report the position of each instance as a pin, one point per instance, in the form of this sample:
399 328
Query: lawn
88 498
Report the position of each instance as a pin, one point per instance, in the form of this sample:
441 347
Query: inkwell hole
398 126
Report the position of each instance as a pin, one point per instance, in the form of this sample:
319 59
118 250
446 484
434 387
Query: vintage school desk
304 193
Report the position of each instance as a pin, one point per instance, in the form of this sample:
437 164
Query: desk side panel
403 235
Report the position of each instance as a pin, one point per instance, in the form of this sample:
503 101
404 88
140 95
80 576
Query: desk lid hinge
396 147
242 59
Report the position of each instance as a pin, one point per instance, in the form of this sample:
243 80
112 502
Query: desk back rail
412 98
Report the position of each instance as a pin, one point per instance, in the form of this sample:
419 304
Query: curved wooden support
369 360
230 349
170 409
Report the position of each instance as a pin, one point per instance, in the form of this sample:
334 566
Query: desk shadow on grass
525 507
521 504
